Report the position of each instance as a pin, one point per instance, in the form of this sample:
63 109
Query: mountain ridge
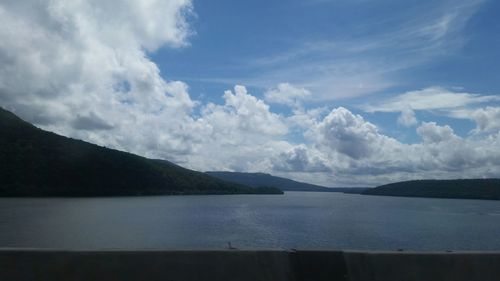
41 163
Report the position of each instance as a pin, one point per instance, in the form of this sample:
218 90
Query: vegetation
261 179
465 188
34 162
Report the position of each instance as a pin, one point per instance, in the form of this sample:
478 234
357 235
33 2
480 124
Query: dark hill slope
262 179
465 188
34 162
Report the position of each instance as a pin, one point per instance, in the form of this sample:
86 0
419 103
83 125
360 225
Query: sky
332 92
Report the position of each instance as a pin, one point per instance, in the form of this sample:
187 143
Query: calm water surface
294 220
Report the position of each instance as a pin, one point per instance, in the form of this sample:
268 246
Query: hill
262 179
464 188
35 162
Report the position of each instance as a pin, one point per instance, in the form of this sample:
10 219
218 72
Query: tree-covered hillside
463 188
34 162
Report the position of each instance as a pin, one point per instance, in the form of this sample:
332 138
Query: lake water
302 220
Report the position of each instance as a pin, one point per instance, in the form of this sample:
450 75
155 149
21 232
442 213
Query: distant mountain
466 189
262 179
34 162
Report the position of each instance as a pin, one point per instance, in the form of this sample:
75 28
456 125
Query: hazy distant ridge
262 179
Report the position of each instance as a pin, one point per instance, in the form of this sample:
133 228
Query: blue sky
308 43
333 92
231 36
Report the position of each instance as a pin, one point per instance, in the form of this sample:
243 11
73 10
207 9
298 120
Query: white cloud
240 135
245 113
349 134
357 153
432 133
429 99
407 117
287 94
300 159
304 119
80 68
487 119
447 102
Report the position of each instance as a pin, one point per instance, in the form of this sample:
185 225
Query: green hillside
463 188
34 162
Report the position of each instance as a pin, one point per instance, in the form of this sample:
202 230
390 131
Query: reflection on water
295 220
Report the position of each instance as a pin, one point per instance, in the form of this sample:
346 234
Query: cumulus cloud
432 133
349 134
407 117
240 135
300 159
80 68
286 94
245 113
487 119
357 152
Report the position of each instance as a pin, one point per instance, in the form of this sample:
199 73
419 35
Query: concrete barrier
272 265
390 266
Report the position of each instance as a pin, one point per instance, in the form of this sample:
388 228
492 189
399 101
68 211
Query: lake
302 220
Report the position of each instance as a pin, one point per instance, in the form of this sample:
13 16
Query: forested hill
262 179
463 188
34 162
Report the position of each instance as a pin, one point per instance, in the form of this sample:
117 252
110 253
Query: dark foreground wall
234 265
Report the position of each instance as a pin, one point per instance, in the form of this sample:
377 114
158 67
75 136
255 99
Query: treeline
460 188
